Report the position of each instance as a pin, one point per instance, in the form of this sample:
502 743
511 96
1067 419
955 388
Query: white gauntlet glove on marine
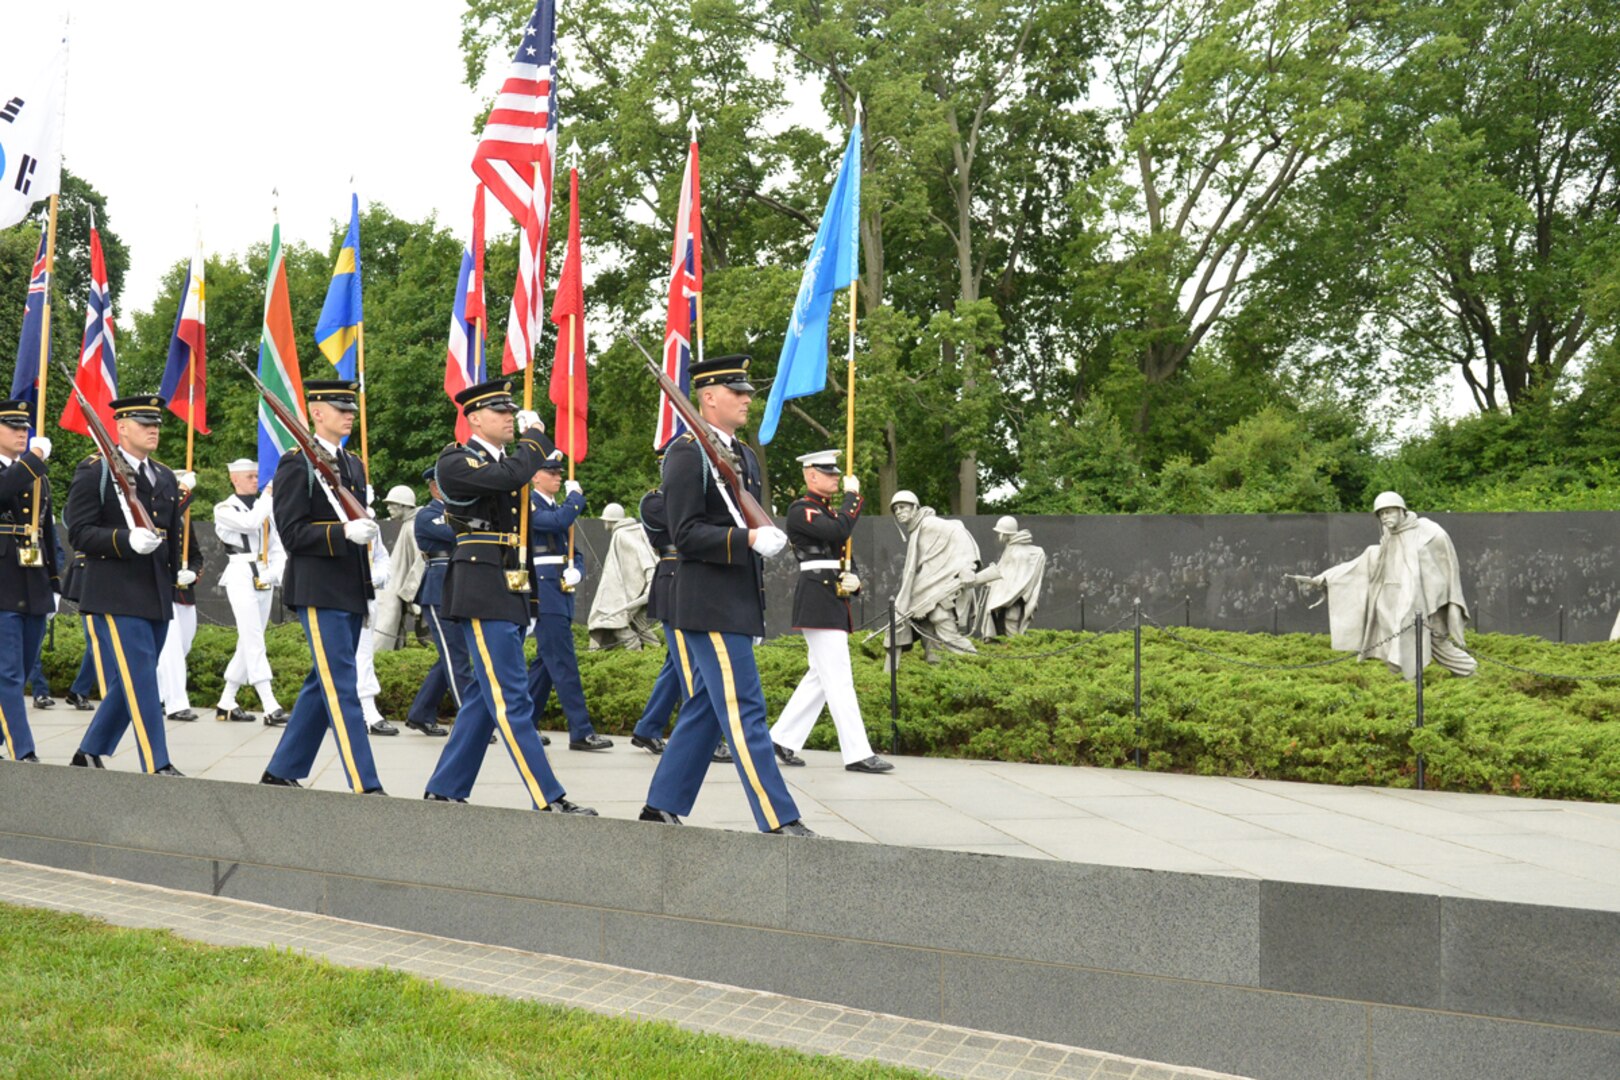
144 541
769 541
186 577
360 531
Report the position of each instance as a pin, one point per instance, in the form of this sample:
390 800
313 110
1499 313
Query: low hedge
1351 723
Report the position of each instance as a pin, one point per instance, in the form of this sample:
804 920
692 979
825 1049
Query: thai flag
463 365
97 374
685 283
25 377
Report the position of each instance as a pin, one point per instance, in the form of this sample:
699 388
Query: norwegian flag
685 283
463 364
97 374
25 376
520 135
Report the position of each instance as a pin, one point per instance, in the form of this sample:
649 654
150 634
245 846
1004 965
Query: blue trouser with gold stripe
726 698
499 700
328 698
452 671
667 693
126 651
85 684
20 638
556 664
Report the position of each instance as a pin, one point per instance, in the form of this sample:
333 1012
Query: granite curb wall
1263 978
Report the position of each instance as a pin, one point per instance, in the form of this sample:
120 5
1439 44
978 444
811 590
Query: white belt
550 560
820 564
243 557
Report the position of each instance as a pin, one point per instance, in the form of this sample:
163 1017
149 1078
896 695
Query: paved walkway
1531 851
811 1026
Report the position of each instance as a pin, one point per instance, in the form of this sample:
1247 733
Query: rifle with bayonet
135 511
347 504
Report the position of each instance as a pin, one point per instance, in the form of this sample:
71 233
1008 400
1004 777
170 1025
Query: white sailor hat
243 464
822 461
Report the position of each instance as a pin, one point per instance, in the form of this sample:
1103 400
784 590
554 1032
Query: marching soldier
27 580
127 586
255 560
817 530
718 611
667 691
485 486
453 670
555 662
328 582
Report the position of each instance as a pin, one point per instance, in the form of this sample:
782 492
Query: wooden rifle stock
139 516
348 505
753 514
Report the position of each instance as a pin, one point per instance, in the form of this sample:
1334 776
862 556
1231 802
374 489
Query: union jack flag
25 377
685 283
97 375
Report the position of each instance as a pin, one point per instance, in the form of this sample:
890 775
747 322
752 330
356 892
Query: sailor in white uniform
254 562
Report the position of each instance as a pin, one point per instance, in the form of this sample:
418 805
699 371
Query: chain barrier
1195 647
1562 677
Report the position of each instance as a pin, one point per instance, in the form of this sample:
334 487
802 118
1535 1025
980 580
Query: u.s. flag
685 283
521 131
97 375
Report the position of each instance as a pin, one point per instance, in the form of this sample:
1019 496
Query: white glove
186 479
273 578
268 490
360 531
41 446
186 577
371 494
768 541
379 577
144 541
852 484
572 487
572 576
527 419
849 583
56 602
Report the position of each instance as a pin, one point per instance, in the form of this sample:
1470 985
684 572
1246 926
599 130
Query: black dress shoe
793 828
374 791
663 817
86 761
277 781
431 797
30 757
185 715
873 764
236 715
430 727
383 727
545 740
593 741
167 770
80 702
653 744
563 806
786 756
276 719
44 701
722 754
492 739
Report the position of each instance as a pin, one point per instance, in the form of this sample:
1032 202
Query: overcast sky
186 113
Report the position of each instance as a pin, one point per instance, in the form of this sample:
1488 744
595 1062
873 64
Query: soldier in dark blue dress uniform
328 583
718 612
555 662
452 672
126 589
485 486
26 583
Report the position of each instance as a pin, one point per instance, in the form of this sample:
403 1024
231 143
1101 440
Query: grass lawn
84 999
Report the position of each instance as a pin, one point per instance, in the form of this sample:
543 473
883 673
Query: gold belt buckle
261 585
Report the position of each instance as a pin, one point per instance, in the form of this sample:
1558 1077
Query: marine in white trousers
250 610
171 668
245 524
829 683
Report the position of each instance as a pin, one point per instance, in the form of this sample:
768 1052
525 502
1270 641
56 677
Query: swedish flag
338 330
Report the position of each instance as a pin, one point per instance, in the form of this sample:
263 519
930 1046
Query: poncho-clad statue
936 590
396 599
1373 597
1006 606
618 618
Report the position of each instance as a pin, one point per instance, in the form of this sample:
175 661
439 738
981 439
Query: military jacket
817 530
486 501
27 589
115 580
656 526
436 540
187 594
719 581
548 542
323 569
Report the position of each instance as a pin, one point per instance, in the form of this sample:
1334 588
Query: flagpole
692 126
849 414
44 368
191 439
360 367
528 394
573 435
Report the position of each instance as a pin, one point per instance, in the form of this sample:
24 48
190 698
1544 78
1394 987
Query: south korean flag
31 103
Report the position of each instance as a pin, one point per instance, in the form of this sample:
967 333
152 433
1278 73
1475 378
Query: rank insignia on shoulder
473 461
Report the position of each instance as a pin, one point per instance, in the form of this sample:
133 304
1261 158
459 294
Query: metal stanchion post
1417 630
1138 635
1275 608
1560 624
1082 611
1188 620
894 686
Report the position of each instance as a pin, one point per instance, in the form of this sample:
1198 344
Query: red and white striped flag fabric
523 318
520 135
685 283
97 374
